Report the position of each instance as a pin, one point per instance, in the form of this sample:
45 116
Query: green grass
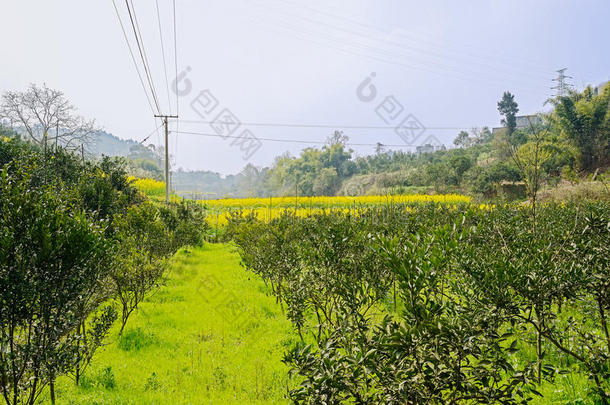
210 335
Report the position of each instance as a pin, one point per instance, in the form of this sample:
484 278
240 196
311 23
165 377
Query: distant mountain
107 144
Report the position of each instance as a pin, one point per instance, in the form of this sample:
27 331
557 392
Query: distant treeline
574 140
574 137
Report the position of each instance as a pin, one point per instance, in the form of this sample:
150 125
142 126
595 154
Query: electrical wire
447 73
151 134
133 58
306 125
176 79
176 56
430 67
154 88
389 53
169 103
301 141
139 42
410 48
509 60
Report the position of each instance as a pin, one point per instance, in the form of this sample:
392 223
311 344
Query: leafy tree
482 135
529 159
462 139
585 119
250 182
315 171
144 244
53 262
547 282
440 174
460 164
327 182
508 108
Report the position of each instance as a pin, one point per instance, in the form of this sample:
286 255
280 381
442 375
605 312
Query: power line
301 141
142 50
411 36
176 56
133 58
169 104
442 71
151 134
176 79
154 88
329 126
428 52
139 42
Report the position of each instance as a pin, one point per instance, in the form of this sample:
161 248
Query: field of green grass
210 335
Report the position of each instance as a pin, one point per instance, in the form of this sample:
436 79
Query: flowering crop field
150 187
337 201
272 207
268 208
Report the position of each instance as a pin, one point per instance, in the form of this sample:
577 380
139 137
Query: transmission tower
562 85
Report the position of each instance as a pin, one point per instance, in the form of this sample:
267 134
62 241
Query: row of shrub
439 305
80 248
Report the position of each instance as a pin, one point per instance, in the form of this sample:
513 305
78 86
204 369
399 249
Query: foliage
577 137
508 108
210 334
315 172
584 118
75 236
438 304
149 237
53 262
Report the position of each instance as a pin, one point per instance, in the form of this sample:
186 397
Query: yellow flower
150 187
272 207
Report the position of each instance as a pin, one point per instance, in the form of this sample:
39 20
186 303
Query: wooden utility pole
165 118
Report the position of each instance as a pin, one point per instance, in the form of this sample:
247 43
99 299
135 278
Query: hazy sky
301 62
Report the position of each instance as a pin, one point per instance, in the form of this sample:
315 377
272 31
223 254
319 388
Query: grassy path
209 336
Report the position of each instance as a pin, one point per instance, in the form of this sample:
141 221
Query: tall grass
210 335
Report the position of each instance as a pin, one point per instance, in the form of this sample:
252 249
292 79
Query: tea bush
471 292
76 238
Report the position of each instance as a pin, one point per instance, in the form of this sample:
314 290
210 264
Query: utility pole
562 85
167 179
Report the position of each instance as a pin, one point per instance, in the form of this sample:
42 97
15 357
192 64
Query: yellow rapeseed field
272 207
338 201
150 187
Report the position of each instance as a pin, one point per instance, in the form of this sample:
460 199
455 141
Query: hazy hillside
104 143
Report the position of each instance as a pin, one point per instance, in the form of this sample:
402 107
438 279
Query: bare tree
529 159
337 138
46 116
